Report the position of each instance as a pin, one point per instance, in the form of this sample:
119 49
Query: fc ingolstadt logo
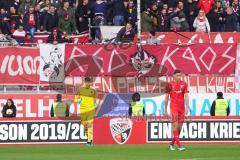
121 129
142 61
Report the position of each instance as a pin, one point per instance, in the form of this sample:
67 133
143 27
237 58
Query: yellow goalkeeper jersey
87 98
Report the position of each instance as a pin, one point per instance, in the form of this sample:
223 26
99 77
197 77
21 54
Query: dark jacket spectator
119 13
14 18
126 34
6 4
163 21
213 18
191 11
55 37
4 22
172 3
31 20
131 14
83 13
100 7
31 23
40 16
9 109
50 20
230 21
236 9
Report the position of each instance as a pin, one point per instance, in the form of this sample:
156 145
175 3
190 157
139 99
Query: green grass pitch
120 152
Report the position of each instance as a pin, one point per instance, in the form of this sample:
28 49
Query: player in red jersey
179 102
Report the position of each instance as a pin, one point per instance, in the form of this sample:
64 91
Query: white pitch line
216 158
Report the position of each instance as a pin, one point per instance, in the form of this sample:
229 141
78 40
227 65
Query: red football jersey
176 90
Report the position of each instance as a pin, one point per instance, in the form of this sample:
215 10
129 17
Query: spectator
9 109
206 5
50 20
222 15
136 107
213 17
44 5
152 39
172 3
4 22
178 21
66 9
165 6
66 25
220 106
119 13
191 12
175 23
163 21
83 13
226 3
236 11
55 37
230 21
201 23
182 17
56 3
146 22
6 4
31 22
154 13
99 13
24 7
39 15
184 23
126 34
14 18
131 13
59 108
72 3
19 35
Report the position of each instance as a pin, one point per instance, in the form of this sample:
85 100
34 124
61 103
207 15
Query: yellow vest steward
87 99
59 109
221 107
137 108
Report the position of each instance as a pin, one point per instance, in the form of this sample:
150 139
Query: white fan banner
52 62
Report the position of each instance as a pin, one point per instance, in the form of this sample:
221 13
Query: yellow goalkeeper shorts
87 115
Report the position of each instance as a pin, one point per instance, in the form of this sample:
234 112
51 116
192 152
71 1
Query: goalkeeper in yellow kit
87 98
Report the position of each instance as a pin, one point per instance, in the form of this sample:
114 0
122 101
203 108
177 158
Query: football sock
89 134
176 138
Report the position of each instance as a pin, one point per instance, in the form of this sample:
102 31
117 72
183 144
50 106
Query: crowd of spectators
67 17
